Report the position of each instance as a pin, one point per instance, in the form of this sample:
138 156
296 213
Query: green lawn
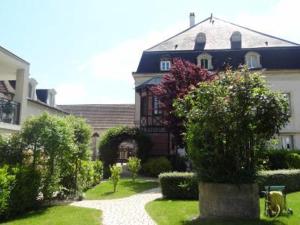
177 212
59 215
125 188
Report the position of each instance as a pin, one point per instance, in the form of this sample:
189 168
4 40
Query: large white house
19 97
214 44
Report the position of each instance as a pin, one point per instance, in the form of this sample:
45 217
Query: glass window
204 63
253 60
165 65
144 106
156 108
286 142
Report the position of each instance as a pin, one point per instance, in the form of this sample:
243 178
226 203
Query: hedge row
280 159
289 178
178 185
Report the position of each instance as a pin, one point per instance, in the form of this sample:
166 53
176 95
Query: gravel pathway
124 211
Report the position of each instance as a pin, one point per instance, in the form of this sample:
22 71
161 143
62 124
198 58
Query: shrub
115 175
289 178
7 182
86 175
293 160
227 121
277 159
98 171
24 195
178 185
134 165
155 166
110 141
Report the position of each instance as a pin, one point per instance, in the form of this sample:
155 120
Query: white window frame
165 65
249 60
286 141
205 56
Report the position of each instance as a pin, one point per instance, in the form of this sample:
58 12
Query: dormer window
200 41
32 83
236 40
51 97
205 61
165 65
252 60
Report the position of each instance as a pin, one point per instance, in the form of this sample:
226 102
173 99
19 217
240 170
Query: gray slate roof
102 116
218 33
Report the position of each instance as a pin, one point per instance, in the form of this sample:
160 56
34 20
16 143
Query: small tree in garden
183 77
115 175
134 165
228 121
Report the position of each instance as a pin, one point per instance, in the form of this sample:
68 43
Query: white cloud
281 20
71 93
120 61
101 71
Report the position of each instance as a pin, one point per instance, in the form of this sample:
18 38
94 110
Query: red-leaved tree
183 77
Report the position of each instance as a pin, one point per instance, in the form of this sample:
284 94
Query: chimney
192 19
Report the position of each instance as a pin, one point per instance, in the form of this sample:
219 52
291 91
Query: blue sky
87 49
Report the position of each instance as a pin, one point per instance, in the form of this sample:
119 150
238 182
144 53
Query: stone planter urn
228 201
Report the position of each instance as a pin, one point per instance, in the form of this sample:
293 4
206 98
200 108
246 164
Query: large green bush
179 185
293 160
49 159
228 120
110 141
155 166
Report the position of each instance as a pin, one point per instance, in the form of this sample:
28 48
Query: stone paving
124 211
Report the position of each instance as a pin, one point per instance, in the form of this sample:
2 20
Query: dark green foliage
109 145
228 120
25 192
11 150
275 159
178 163
155 166
177 185
289 178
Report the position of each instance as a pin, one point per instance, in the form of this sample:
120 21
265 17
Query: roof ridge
179 33
258 32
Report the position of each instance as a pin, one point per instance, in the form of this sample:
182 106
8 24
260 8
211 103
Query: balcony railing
9 111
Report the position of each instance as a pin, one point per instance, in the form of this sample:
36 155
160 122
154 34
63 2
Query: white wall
34 108
288 82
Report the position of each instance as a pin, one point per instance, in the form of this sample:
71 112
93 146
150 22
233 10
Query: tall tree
183 77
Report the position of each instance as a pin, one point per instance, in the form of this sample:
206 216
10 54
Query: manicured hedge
179 185
289 178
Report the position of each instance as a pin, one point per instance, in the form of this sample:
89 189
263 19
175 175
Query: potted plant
228 121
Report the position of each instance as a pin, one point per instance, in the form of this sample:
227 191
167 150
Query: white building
214 44
19 97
